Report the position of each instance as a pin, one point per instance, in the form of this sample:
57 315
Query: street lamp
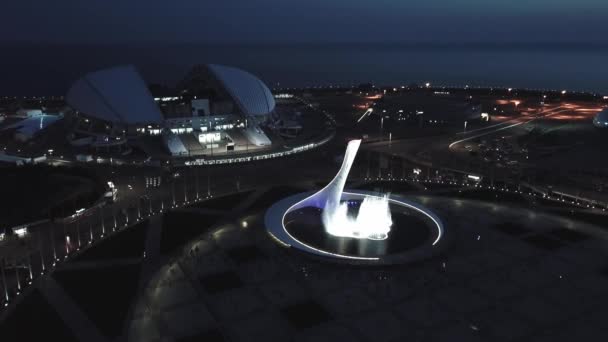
185 188
41 254
208 180
139 208
115 220
17 276
103 225
78 232
29 266
197 183
53 243
173 192
4 281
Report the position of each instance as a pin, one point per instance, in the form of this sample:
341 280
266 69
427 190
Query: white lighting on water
372 222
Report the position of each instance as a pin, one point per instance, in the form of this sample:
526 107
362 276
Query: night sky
255 21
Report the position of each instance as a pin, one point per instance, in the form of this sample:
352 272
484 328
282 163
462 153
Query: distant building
601 119
438 108
114 107
112 104
26 129
29 112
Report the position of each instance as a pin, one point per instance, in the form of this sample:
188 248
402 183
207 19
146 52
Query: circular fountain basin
416 232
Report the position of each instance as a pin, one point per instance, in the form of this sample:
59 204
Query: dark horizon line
429 44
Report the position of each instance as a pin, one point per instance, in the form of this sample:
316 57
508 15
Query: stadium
217 110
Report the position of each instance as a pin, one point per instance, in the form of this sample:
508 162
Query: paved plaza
508 274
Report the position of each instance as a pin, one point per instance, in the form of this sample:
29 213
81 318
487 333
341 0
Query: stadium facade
216 107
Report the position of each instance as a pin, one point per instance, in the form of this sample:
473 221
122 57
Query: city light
475 178
20 231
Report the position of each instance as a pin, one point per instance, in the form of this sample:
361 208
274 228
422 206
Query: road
508 125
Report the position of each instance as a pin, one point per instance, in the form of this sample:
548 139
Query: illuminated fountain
373 221
354 224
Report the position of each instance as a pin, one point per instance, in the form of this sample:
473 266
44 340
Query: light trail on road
502 123
506 127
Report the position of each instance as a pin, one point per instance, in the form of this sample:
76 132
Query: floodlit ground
508 274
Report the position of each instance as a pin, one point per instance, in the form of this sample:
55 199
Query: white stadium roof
249 92
117 94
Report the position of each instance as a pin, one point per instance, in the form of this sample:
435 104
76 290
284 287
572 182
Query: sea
48 69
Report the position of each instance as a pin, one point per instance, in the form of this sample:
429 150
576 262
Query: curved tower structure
373 220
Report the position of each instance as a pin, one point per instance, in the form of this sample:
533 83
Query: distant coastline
48 69
337 44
